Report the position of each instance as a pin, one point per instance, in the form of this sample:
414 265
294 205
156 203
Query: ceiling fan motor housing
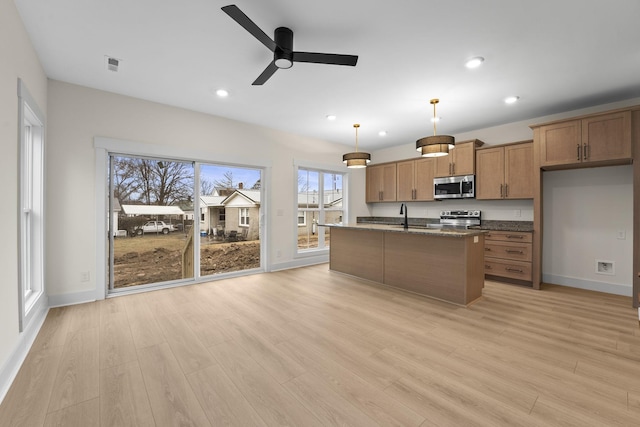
283 55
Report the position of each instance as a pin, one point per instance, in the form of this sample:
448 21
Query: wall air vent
112 64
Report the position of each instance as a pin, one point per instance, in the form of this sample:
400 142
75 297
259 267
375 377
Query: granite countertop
395 228
489 225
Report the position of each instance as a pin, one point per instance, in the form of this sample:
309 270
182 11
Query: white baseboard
26 339
300 262
72 299
609 288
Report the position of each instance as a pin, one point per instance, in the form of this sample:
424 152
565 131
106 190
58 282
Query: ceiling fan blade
268 72
325 58
237 15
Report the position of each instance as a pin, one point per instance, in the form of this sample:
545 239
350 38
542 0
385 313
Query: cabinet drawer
505 268
507 250
509 236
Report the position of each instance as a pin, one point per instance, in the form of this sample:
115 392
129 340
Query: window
320 198
31 189
244 217
221 215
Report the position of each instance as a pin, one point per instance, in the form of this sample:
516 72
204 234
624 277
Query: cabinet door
389 182
443 165
560 143
374 184
518 171
607 137
424 174
464 159
405 181
490 173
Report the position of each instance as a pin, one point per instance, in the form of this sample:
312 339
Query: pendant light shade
436 145
357 159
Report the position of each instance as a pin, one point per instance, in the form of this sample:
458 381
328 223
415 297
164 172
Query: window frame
241 218
320 231
31 189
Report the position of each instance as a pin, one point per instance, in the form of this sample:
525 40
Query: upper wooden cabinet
381 183
460 160
593 139
415 180
505 172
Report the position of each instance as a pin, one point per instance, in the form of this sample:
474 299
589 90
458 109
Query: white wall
78 114
564 269
19 60
584 212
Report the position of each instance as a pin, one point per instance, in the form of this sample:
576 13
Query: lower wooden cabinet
508 254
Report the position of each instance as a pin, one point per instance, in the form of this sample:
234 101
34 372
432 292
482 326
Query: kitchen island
447 264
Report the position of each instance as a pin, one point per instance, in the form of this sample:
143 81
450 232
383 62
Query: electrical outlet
85 276
517 213
278 253
621 235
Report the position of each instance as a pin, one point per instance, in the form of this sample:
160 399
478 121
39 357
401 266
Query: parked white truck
155 227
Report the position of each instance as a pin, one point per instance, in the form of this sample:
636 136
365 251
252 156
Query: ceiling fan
282 47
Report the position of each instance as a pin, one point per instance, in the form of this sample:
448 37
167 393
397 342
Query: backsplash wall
504 210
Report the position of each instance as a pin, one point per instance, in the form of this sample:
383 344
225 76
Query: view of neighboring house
231 209
309 210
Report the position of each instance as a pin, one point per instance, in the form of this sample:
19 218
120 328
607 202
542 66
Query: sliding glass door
171 221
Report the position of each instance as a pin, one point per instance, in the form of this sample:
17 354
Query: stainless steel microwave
454 187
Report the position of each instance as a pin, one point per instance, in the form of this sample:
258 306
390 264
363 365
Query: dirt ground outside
158 258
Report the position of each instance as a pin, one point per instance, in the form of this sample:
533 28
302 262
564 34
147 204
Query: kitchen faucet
403 208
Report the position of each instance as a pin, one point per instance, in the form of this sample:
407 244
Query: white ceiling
556 55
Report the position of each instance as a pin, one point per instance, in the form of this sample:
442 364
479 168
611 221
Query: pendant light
436 145
357 159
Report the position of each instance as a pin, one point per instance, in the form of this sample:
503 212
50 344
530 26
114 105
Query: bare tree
226 181
125 183
206 187
152 182
257 185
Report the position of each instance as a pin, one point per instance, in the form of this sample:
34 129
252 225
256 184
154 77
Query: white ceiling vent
112 63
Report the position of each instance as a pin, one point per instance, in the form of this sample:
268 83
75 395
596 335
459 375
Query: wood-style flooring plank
116 342
77 378
142 322
172 399
327 405
221 400
27 401
275 404
123 397
187 348
368 398
85 414
53 332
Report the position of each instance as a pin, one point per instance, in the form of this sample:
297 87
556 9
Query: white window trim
103 146
31 254
241 223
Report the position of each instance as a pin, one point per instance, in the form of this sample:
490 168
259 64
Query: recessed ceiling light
382 133
222 93
474 62
331 117
435 119
511 99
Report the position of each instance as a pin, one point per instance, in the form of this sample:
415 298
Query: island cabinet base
358 253
443 267
450 269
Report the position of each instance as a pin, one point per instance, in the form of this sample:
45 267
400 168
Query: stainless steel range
460 218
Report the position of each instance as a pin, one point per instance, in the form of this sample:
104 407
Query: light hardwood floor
309 347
